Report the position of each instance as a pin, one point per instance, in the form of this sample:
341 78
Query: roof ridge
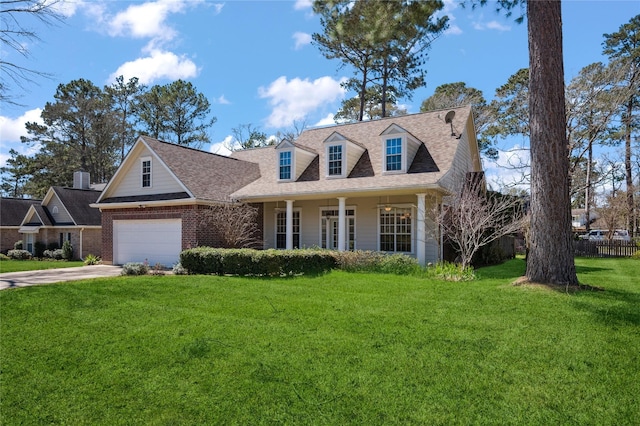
176 146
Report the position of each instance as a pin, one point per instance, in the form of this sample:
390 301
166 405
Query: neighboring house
12 212
64 214
366 185
579 219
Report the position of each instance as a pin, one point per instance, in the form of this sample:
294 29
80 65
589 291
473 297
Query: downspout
81 230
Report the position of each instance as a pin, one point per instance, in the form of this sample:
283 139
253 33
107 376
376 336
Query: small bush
251 262
4 257
178 269
376 262
18 254
135 268
18 245
53 254
91 259
450 272
39 248
67 251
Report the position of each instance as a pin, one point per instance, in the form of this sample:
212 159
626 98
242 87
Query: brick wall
196 229
8 238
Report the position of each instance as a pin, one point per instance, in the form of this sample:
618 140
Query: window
329 229
146 172
285 165
393 154
54 211
281 229
395 229
64 236
334 160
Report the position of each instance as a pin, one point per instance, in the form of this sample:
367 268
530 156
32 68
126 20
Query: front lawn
336 349
10 265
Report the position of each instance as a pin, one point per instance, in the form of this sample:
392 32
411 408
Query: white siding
162 181
459 167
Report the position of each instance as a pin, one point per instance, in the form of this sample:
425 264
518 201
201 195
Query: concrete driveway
48 276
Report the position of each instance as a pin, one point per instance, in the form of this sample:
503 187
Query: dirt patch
565 288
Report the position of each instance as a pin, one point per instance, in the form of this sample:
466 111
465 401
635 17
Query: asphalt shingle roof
432 162
13 210
77 202
207 176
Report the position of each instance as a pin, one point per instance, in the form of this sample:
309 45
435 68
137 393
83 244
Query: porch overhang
29 229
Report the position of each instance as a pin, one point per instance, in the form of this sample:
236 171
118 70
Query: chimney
81 180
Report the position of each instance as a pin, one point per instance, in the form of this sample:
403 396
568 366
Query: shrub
376 262
135 268
178 269
4 257
53 254
91 259
18 254
207 260
451 272
67 251
52 246
18 245
39 248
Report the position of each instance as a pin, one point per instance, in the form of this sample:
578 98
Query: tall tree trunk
631 217
551 250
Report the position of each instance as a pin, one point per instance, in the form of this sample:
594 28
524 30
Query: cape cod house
365 185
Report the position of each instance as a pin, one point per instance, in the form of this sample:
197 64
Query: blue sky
255 63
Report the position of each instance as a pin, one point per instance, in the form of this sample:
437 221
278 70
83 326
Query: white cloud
491 25
510 169
222 100
13 128
147 20
218 8
302 39
326 121
303 4
453 30
293 100
221 147
158 65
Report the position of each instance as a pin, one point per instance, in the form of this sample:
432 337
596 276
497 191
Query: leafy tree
384 42
79 133
122 96
623 47
350 110
177 113
454 95
16 36
247 136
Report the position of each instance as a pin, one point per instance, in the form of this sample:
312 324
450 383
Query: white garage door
154 241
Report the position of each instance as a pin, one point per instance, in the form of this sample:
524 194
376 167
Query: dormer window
334 160
54 211
393 154
146 172
285 165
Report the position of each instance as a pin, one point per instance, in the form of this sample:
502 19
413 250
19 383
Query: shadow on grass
612 307
513 269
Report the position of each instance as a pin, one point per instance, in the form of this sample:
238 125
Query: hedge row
207 260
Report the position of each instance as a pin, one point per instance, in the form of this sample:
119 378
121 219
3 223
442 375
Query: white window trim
275 224
413 227
343 166
355 226
293 163
403 154
142 161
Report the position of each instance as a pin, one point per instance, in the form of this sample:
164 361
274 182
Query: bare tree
14 35
470 218
235 224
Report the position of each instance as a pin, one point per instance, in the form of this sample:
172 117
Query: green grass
9 265
337 349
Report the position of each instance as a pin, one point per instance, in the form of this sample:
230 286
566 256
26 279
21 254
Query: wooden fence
604 248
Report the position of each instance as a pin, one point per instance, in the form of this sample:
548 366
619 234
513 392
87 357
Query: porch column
289 219
421 236
341 223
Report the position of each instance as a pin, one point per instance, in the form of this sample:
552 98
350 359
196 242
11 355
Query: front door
331 233
29 243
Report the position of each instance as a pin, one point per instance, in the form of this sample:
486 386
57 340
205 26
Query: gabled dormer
341 155
399 148
292 160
